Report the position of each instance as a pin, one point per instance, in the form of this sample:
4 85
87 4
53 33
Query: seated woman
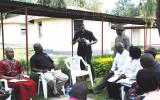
11 69
148 81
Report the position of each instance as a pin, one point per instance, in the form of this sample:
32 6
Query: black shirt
41 61
83 49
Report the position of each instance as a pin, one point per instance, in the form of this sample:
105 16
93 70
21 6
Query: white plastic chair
73 64
44 85
6 87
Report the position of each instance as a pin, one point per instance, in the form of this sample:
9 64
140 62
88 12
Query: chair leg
9 98
73 80
39 82
63 90
91 78
45 92
122 93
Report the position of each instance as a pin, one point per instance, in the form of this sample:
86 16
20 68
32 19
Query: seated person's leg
113 90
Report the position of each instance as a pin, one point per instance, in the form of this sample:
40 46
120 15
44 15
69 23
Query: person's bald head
119 47
152 51
147 60
38 47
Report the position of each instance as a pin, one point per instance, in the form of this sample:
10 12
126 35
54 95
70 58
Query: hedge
102 65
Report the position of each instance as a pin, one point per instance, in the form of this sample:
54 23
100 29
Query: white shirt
132 68
119 61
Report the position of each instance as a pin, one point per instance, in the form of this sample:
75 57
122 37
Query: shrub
102 65
157 57
61 64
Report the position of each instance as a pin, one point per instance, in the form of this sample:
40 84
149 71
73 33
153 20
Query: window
40 29
23 30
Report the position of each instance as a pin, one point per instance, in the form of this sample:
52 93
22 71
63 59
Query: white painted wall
56 35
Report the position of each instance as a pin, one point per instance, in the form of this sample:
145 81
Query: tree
158 15
53 3
88 4
125 8
147 11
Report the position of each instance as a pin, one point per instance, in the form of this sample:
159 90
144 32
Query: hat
119 27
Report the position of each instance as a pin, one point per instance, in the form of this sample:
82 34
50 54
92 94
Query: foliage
22 62
102 65
147 11
91 4
157 15
53 3
125 8
62 66
157 57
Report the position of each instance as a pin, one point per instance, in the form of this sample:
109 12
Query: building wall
56 35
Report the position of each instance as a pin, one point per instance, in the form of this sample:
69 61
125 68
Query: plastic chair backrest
74 63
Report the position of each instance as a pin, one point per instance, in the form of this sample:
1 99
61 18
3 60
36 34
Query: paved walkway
65 97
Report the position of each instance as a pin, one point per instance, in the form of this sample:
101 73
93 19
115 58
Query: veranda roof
39 10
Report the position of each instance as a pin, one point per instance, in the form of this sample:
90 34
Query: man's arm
39 70
127 43
76 38
93 42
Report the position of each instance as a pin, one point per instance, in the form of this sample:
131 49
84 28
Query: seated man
148 81
133 66
121 58
41 62
11 69
148 62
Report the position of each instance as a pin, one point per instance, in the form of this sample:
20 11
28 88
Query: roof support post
150 36
145 38
72 20
131 35
2 34
26 23
102 37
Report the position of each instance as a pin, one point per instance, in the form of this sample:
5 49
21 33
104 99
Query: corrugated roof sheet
39 10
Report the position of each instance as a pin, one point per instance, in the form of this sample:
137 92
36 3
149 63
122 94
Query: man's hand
44 70
123 76
19 77
111 72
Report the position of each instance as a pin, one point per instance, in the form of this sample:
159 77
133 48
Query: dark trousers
112 88
103 83
88 59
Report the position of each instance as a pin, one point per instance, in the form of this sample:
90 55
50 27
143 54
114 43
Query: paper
113 79
126 82
16 80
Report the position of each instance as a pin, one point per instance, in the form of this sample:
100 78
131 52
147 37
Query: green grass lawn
100 96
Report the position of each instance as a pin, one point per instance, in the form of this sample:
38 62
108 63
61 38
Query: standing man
121 37
85 39
41 62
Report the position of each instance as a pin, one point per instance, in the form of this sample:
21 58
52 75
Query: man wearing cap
121 37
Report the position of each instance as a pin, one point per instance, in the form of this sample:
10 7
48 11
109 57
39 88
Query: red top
8 66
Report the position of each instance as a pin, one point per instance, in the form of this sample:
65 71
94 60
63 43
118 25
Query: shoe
94 81
60 92
57 95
